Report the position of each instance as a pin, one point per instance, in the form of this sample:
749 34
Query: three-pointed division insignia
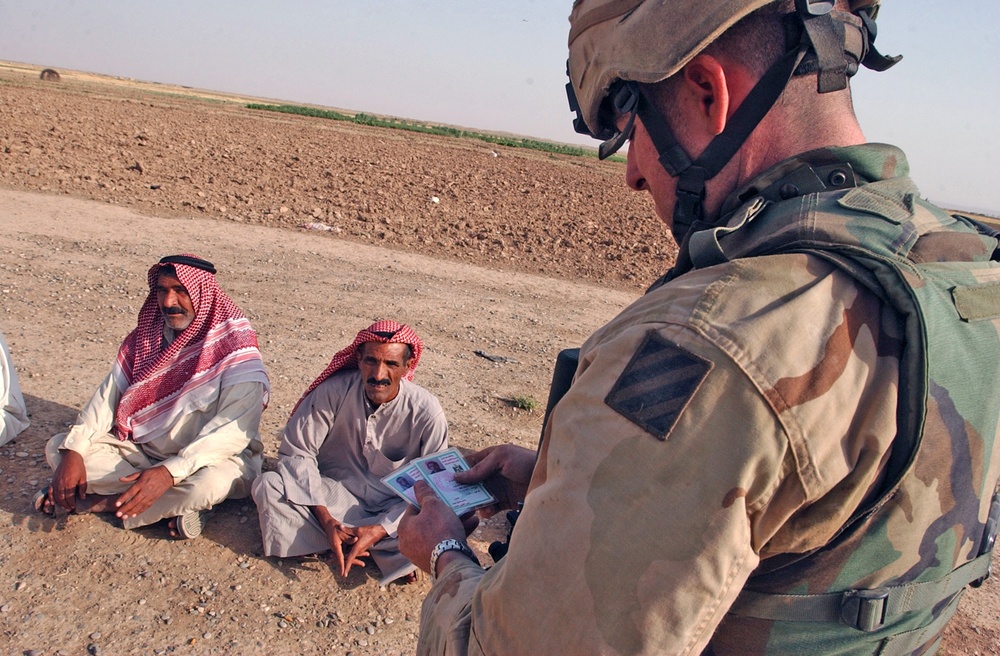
657 384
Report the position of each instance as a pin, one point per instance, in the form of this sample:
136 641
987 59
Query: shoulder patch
657 384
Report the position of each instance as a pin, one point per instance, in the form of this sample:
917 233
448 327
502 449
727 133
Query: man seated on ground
360 420
13 414
172 430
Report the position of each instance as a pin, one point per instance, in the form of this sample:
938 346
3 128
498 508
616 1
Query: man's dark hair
757 40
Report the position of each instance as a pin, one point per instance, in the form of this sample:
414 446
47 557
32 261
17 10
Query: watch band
451 544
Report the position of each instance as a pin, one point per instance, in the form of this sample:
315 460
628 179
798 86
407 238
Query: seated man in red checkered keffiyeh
172 430
360 419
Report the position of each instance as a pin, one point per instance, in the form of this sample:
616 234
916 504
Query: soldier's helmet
616 44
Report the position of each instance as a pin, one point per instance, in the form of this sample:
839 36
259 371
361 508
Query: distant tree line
426 128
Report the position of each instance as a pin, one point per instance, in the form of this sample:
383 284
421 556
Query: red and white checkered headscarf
218 349
399 333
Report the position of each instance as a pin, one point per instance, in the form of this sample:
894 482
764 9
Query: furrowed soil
509 252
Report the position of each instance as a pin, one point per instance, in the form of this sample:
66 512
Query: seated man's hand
147 486
360 539
505 470
363 538
336 532
69 482
421 530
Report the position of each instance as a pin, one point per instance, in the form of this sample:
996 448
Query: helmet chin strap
816 27
692 175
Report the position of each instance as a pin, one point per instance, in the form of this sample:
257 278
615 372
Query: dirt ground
521 255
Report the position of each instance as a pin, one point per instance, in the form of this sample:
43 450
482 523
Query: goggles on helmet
624 104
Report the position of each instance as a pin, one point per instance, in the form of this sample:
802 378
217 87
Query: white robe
13 413
334 452
213 453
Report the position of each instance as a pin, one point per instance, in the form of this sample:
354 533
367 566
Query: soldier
779 448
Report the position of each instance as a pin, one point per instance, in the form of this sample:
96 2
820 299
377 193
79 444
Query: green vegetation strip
396 124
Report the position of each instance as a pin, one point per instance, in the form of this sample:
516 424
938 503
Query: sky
500 66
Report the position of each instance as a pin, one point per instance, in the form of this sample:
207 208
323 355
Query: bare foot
187 526
172 525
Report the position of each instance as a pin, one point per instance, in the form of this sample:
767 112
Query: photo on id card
439 471
402 480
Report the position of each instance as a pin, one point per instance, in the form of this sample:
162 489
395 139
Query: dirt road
73 279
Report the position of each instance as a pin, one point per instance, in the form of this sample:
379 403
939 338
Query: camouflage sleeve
444 620
653 540
686 449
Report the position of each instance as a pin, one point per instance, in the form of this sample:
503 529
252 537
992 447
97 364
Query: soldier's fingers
424 493
469 522
474 458
482 468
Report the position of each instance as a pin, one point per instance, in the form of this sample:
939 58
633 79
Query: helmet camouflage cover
650 40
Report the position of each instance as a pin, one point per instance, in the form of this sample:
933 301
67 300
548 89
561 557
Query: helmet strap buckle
814 7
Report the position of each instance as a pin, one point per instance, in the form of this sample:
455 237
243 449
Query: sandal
43 504
190 525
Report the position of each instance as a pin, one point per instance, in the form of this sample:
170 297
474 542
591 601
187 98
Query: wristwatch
451 544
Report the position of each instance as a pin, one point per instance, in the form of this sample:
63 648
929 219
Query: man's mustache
173 310
376 381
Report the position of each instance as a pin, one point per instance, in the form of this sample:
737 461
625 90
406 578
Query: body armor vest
892 577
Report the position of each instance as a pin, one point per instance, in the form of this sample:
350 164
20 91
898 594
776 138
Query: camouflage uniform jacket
727 427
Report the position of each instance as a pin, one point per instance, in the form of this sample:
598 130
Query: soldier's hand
147 486
505 470
421 530
69 482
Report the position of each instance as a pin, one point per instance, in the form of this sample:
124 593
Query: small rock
370 630
207 635
21 454
435 200
96 635
20 585
283 624
4 608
